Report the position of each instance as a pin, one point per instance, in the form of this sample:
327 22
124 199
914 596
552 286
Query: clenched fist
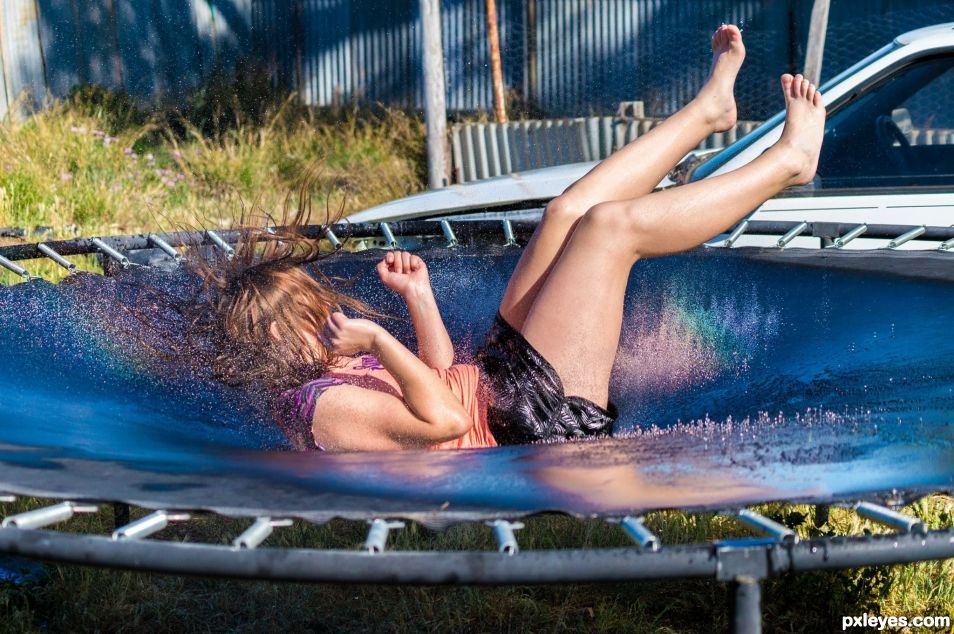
404 273
347 337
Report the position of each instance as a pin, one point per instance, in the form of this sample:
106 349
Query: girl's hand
346 336
404 273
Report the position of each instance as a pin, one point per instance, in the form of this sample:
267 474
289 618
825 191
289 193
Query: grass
98 164
79 598
95 165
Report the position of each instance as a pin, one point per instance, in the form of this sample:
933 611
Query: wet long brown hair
255 309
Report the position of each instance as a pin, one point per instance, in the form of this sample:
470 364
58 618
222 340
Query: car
887 162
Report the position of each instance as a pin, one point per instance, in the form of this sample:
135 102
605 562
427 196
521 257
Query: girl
543 373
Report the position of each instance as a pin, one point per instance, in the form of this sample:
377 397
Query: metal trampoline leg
747 606
120 514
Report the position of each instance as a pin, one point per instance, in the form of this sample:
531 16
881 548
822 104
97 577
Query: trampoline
746 375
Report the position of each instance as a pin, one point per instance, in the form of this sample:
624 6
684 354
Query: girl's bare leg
631 172
576 318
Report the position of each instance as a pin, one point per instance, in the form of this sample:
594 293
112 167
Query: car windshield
716 162
897 133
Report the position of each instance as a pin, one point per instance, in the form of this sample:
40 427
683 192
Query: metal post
388 235
14 268
496 71
220 243
510 239
530 42
888 517
766 526
793 233
449 234
258 532
747 606
848 237
815 51
377 538
111 252
56 257
146 526
332 238
503 533
435 104
165 247
120 515
38 518
635 528
906 237
736 233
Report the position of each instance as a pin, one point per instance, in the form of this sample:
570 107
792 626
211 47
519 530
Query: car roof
945 31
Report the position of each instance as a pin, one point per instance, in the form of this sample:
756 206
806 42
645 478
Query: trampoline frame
742 562
831 235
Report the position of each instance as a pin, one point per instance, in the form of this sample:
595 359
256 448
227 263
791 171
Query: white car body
894 207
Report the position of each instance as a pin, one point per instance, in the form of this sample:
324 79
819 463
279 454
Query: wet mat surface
738 381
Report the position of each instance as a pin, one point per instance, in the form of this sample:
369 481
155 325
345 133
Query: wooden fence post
23 64
493 35
435 98
815 51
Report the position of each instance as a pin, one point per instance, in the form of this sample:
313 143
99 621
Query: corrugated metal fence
485 150
560 57
150 49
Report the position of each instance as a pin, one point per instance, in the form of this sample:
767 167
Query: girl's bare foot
804 129
716 99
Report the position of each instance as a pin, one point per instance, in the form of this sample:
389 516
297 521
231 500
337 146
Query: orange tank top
365 371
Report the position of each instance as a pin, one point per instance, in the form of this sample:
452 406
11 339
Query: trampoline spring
389 238
56 257
793 233
503 533
887 517
848 237
165 247
111 252
258 532
509 239
146 526
47 515
377 538
449 234
766 526
18 270
634 527
736 233
947 245
904 237
332 238
220 243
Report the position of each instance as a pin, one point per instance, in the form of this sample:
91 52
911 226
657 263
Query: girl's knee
615 225
563 208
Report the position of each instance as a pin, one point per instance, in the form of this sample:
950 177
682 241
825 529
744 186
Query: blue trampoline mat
739 380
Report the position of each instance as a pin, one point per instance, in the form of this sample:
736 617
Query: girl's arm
435 412
406 274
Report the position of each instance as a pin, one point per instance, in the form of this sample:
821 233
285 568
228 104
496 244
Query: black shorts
529 403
